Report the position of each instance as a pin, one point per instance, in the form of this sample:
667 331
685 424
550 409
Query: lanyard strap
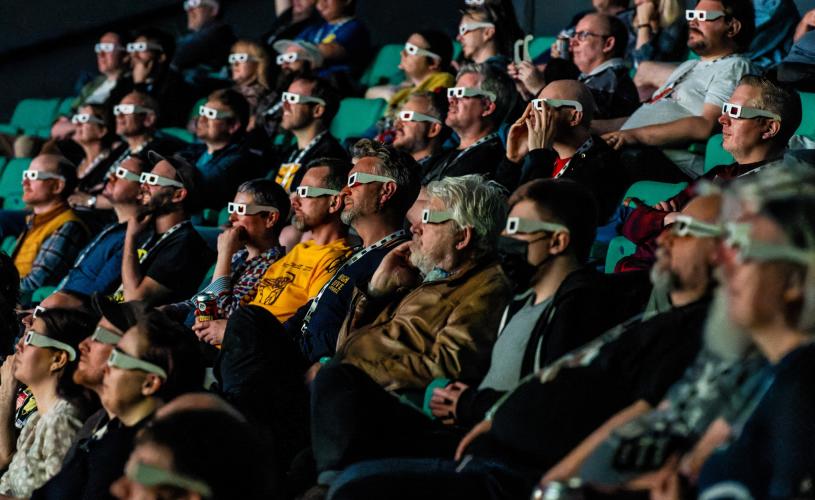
295 160
582 149
354 258
471 146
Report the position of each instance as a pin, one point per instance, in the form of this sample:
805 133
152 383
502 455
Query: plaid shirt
240 288
55 257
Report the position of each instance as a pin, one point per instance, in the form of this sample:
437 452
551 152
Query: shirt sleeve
54 257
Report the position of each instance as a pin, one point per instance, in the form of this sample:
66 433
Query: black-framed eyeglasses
584 35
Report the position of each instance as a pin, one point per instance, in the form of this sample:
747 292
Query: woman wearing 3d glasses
45 360
249 66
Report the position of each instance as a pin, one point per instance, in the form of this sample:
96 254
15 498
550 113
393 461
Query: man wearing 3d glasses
420 129
206 47
53 233
98 268
757 122
169 266
222 161
685 108
309 105
480 101
552 140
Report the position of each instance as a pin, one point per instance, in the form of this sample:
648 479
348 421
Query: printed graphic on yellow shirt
285 174
271 289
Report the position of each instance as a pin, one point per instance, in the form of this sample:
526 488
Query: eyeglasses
106 47
288 57
191 4
584 35
240 57
363 178
248 208
40 340
703 15
86 118
39 175
157 180
129 109
143 47
123 173
738 239
686 225
461 92
473 2
214 114
315 192
37 311
556 103
517 225
105 336
436 216
415 116
738 111
465 28
418 51
118 359
292 98
148 475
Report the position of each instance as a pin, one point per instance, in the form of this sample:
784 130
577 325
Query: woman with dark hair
170 460
487 32
45 361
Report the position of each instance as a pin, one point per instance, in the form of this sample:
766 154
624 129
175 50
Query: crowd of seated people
422 310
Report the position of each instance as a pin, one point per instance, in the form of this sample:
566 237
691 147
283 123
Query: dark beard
159 204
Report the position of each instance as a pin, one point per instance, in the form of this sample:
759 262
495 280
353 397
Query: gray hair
396 164
497 82
477 203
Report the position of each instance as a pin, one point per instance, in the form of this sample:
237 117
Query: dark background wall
45 44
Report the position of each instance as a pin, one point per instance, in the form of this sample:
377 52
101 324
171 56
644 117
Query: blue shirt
775 26
323 327
99 267
352 35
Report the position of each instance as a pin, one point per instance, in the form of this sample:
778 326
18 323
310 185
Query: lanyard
354 258
334 27
471 146
289 169
582 149
152 247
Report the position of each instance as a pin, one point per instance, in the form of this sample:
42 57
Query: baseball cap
307 50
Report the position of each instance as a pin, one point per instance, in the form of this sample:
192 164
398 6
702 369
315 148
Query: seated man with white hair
431 310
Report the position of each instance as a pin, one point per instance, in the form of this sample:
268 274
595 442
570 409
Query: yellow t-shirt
296 278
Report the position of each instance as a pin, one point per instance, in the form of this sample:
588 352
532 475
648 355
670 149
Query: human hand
136 224
480 428
517 146
79 199
667 206
394 272
210 332
531 77
541 127
444 401
555 53
646 12
619 139
231 240
141 70
670 218
8 384
809 18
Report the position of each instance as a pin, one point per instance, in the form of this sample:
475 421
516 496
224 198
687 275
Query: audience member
412 323
309 105
685 109
481 100
245 251
487 32
342 39
250 70
221 160
98 268
375 209
798 67
425 60
153 362
420 130
656 31
53 233
44 362
775 29
293 17
204 49
108 88
552 139
150 54
169 266
756 141
252 370
768 261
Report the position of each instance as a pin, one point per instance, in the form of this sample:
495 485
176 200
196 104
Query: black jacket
599 169
482 159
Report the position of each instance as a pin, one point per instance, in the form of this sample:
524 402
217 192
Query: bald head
572 90
704 208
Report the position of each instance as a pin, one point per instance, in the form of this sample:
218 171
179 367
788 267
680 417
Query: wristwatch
91 202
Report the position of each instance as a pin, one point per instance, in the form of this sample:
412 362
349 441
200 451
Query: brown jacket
441 329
